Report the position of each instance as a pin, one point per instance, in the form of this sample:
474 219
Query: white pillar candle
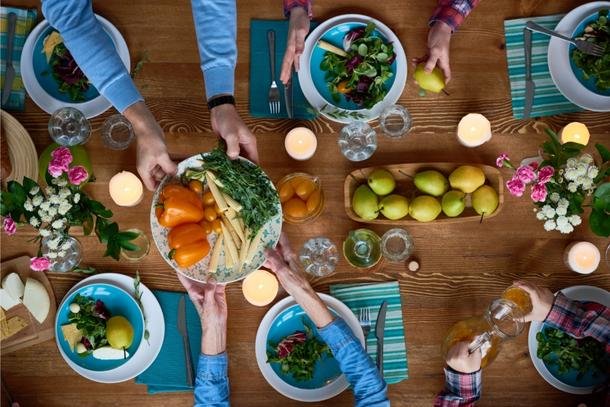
301 143
576 133
473 130
126 189
260 288
582 257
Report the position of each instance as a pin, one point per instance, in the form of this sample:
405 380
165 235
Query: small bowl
294 179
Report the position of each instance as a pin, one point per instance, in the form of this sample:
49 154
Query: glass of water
357 141
319 256
69 127
396 245
117 132
395 121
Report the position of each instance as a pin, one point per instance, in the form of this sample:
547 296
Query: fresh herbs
66 72
556 347
91 320
137 295
298 353
598 68
360 75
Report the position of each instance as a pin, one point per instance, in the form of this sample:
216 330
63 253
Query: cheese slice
13 284
6 300
49 43
36 299
72 334
109 353
12 326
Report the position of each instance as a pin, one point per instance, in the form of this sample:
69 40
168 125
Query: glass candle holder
396 245
301 196
319 256
117 132
69 127
395 121
143 246
357 141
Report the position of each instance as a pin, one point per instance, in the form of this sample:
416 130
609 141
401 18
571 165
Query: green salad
598 68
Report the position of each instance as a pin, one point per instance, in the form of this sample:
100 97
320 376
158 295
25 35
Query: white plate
308 395
579 293
318 102
148 350
559 61
47 102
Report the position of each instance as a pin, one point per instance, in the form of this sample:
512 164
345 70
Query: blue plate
44 73
590 83
288 322
118 302
335 36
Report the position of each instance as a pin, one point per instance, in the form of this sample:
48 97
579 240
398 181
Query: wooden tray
403 174
35 332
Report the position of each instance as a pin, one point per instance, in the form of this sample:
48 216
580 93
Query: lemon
119 332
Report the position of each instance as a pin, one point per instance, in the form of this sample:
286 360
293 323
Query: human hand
459 360
542 301
439 40
230 127
297 31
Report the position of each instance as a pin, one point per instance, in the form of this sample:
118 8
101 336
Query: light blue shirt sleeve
212 383
369 387
93 50
216 29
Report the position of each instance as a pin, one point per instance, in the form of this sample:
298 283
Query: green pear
467 178
381 181
365 203
453 203
394 207
431 182
431 81
485 200
119 332
424 208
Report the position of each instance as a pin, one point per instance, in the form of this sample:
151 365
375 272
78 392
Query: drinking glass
69 127
362 248
72 250
396 245
395 121
141 242
117 132
319 256
357 141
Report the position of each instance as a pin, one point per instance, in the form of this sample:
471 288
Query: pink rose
539 192
40 263
501 159
526 174
534 165
9 225
61 158
515 186
77 175
545 174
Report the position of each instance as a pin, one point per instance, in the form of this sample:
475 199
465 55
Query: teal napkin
548 100
168 371
357 296
260 72
25 22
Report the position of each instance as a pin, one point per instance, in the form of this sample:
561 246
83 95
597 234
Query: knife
9 77
288 96
530 87
379 332
185 340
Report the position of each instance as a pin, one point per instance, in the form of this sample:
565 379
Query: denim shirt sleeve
369 387
212 383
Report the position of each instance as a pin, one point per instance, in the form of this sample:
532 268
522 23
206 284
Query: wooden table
464 265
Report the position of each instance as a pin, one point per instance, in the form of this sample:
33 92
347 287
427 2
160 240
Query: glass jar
395 121
501 321
65 252
69 127
319 256
520 297
357 141
117 132
142 246
396 245
301 196
362 248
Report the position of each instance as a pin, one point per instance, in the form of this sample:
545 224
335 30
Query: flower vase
67 258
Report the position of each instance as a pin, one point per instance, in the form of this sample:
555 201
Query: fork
274 92
364 318
587 47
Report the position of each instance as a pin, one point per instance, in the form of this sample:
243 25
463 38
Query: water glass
69 127
396 245
357 141
117 132
70 250
319 256
142 243
395 121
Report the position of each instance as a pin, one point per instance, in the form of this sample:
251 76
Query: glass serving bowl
301 196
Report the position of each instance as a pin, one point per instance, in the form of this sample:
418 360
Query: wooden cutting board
34 332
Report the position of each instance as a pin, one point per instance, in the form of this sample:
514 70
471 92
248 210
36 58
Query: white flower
37 200
64 207
34 221
52 211
549 225
549 212
76 198
45 205
53 244
54 199
51 255
58 224
570 174
44 216
61 253
572 162
581 170
67 244
561 221
64 193
44 232
49 190
61 182
554 197
28 205
572 187
563 202
575 220
567 228
586 159
593 171
34 190
561 210
540 215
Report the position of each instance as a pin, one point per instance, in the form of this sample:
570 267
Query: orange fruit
209 214
296 181
286 192
217 209
342 87
196 186
305 188
208 198
295 208
313 202
216 226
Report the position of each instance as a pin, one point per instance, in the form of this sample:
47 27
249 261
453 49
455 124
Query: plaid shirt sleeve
452 12
461 389
581 319
290 4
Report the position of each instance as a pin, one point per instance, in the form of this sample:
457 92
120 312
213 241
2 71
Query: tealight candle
301 143
473 130
260 288
576 133
582 257
126 189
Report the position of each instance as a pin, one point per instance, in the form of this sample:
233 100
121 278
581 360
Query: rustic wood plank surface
464 265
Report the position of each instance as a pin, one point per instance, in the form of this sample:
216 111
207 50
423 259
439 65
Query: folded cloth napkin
25 22
358 296
168 371
260 72
548 100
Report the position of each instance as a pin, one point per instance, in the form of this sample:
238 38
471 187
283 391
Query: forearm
289 5
213 339
453 12
212 384
461 389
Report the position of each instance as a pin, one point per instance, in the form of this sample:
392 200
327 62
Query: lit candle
300 143
473 130
576 133
582 257
126 189
260 288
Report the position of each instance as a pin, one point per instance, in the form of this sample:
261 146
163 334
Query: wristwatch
221 100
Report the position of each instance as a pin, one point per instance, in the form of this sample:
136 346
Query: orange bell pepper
177 210
190 254
176 190
185 234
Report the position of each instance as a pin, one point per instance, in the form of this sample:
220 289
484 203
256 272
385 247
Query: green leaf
99 209
604 153
130 247
87 224
363 50
601 197
599 221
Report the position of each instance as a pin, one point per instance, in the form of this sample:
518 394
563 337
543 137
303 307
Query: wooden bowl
403 174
